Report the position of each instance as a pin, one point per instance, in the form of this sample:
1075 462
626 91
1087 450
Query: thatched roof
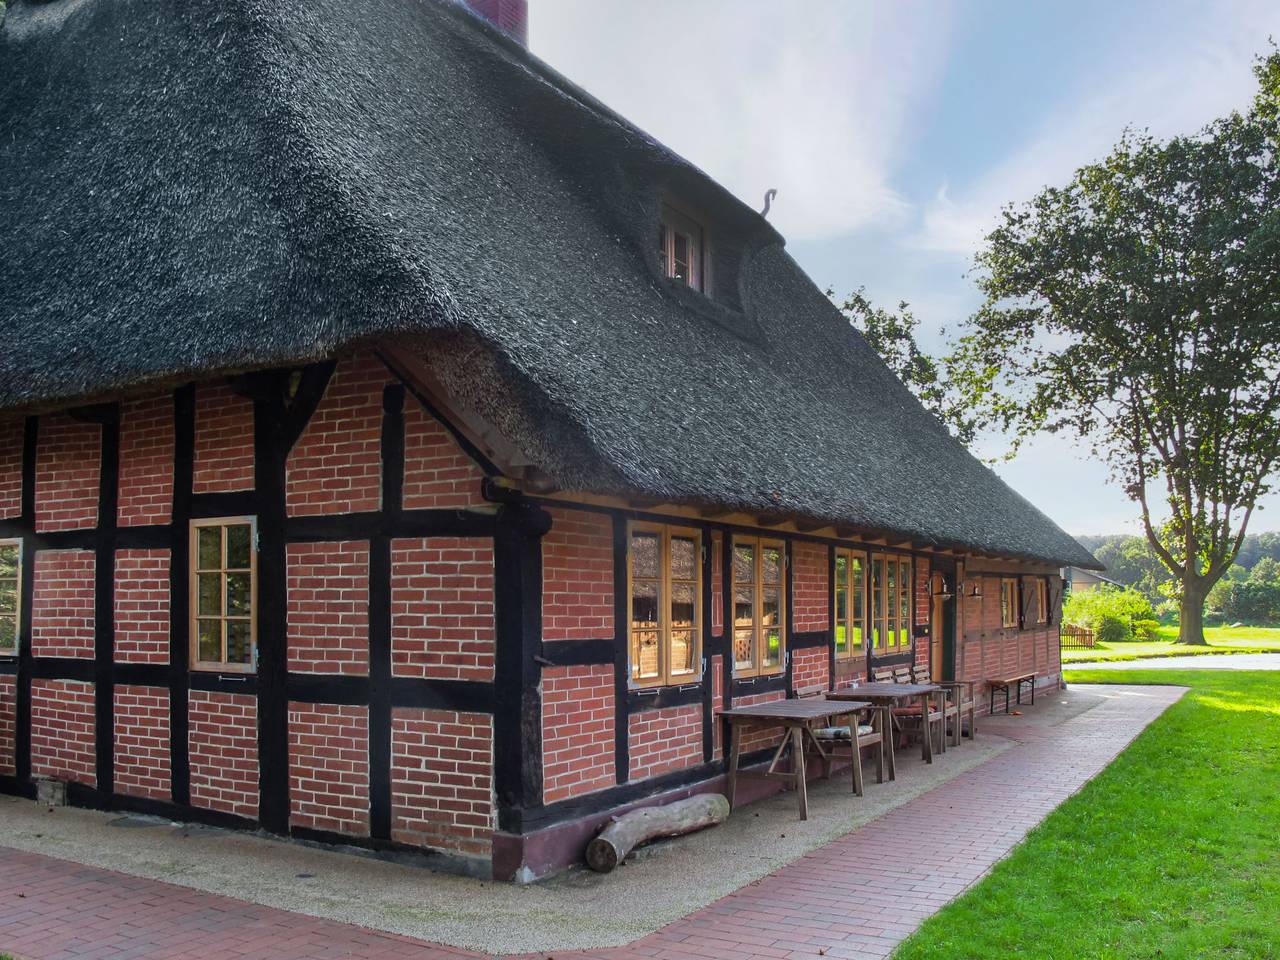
220 185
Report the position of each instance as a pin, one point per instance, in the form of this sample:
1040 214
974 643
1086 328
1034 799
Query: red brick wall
62 731
923 610
577 731
809 587
223 742
11 432
660 741
142 742
442 780
146 461
142 606
68 468
438 475
224 440
442 608
62 604
329 767
8 720
328 587
810 668
758 737
577 576
336 467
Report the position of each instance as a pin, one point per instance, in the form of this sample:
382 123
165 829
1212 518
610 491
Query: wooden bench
1004 683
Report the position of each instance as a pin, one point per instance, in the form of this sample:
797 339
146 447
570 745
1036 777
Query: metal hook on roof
768 201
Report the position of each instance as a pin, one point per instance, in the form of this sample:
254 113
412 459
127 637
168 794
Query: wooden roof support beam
809 526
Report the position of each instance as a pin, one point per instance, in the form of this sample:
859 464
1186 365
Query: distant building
1080 580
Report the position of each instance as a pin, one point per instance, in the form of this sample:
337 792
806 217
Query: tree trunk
618 839
1191 616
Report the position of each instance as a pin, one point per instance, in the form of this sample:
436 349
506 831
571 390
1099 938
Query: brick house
369 475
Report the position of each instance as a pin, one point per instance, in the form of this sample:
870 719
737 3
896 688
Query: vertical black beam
270 450
708 682
22 712
726 602
621 653
104 598
380 613
517 718
184 453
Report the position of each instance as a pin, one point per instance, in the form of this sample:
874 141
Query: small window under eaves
682 249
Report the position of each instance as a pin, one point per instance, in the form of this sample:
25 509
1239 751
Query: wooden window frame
851 651
673 220
1009 612
193 563
10 651
759 544
665 677
894 626
1042 600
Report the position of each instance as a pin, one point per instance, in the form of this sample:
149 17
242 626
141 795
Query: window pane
239 542
8 596
683 559
210 643
771 565
662 251
9 553
842 603
857 594
238 595
210 603
772 649
644 555
682 256
8 632
743 648
210 548
644 655
682 651
771 607
744 563
239 649
644 604
682 605
744 614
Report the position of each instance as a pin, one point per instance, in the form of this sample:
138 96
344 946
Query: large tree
1137 309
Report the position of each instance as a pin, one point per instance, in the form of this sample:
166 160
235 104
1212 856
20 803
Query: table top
813 708
885 690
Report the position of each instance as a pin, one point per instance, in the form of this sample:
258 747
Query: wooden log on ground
630 830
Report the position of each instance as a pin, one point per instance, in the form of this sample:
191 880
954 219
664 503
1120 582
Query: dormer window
682 248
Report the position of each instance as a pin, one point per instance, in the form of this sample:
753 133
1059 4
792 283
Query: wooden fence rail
1076 638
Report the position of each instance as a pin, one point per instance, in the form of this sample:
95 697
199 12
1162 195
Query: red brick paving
854 898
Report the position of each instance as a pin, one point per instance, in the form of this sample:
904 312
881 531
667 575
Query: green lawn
1173 851
1221 640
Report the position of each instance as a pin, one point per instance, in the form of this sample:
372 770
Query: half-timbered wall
371 715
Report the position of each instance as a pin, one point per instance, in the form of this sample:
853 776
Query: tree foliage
1114 614
893 336
1137 309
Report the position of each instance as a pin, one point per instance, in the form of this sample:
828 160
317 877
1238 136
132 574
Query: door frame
947 626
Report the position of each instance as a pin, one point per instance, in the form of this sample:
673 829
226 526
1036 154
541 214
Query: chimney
509 16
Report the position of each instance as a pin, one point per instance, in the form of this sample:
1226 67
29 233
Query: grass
1173 851
1221 640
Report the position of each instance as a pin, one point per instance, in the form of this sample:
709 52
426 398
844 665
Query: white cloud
815 100
1173 84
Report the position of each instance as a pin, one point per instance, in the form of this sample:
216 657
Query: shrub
1110 612
1146 629
1112 629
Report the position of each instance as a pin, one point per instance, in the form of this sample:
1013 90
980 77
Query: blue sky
895 131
